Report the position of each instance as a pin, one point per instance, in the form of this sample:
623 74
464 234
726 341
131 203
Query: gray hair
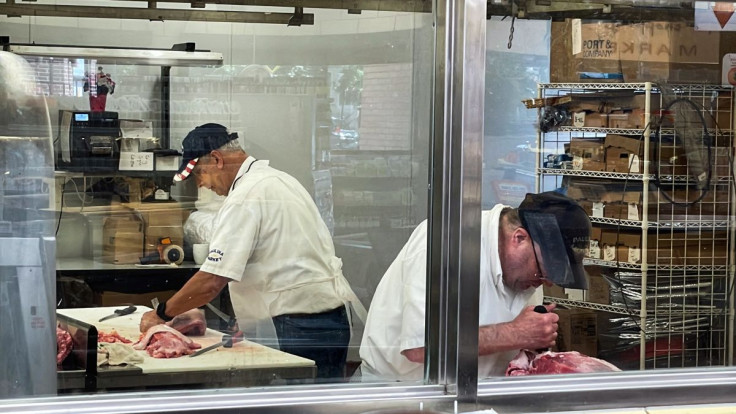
233 145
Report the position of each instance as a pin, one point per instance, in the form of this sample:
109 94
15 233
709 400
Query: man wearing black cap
541 242
271 246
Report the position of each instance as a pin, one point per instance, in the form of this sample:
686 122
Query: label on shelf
577 162
634 255
634 163
594 251
633 211
136 161
609 253
597 209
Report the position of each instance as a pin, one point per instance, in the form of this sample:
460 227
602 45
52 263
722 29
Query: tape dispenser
166 252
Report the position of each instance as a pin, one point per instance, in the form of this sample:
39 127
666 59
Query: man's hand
536 330
150 319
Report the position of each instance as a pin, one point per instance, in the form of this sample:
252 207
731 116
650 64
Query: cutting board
242 355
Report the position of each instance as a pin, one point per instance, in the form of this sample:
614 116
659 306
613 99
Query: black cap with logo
201 141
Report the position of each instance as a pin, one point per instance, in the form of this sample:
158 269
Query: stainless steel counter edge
670 387
506 395
344 398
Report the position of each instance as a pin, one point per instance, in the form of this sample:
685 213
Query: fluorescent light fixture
157 57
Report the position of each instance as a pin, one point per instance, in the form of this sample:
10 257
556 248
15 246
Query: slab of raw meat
162 341
112 337
531 363
190 323
63 345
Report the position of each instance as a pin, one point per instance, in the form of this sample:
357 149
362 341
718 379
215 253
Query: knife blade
231 321
227 341
119 312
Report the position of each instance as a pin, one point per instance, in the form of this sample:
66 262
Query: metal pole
455 197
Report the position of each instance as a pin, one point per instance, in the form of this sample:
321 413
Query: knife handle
230 340
126 311
541 309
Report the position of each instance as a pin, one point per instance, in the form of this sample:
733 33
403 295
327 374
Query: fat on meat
63 345
162 341
531 363
189 323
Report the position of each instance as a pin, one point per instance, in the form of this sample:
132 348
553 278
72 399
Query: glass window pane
634 141
311 148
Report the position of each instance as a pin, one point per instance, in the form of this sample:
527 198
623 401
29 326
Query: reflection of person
103 85
542 242
272 247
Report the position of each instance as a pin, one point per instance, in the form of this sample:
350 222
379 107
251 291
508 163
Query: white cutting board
242 355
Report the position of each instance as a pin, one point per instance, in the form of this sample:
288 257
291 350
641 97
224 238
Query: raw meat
162 341
112 337
190 323
63 345
531 363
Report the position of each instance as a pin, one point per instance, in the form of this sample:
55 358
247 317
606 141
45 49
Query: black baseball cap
201 141
561 229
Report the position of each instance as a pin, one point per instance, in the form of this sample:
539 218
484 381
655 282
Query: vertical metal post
451 335
645 225
165 106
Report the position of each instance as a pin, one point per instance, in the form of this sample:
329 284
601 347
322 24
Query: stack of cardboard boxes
641 52
134 231
667 248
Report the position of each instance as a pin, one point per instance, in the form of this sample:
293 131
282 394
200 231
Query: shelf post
645 225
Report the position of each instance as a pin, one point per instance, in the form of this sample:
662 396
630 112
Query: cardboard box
163 214
588 154
109 298
122 239
577 331
554 291
584 119
633 119
624 154
641 52
598 289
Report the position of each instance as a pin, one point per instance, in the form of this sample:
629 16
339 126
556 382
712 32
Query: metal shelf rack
676 301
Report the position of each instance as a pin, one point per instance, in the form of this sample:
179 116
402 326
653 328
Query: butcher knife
227 341
119 312
231 321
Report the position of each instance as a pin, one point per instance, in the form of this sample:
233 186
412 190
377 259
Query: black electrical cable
61 209
709 145
617 269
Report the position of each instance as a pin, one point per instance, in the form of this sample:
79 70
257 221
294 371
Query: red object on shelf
97 103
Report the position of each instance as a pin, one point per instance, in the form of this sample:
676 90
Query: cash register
88 141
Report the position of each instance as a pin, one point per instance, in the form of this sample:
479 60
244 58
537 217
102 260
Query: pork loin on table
531 363
162 341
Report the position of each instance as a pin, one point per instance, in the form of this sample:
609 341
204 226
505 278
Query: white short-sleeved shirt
270 238
396 316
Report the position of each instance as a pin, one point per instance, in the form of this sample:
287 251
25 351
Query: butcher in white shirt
542 242
273 250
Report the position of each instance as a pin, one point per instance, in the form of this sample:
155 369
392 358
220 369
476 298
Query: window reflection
351 131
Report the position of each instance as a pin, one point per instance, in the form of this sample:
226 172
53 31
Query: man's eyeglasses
539 273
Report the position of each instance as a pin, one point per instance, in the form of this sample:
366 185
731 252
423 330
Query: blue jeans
322 337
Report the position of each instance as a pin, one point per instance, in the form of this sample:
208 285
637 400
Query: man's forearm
198 291
497 338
